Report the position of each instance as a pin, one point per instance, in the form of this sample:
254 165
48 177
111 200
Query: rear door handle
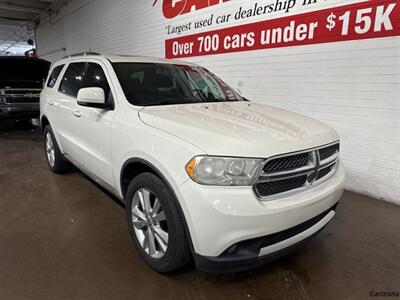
49 102
76 113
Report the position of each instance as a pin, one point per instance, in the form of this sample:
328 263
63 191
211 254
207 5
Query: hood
16 69
26 84
244 129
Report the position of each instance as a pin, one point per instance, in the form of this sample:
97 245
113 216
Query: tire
153 223
55 160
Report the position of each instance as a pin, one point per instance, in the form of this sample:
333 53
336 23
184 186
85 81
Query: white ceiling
17 19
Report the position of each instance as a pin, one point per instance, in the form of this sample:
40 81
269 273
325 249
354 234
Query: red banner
365 20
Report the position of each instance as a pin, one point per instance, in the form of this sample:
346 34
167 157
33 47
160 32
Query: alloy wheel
149 223
50 152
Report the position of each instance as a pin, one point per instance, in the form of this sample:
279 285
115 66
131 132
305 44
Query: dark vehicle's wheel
54 157
155 224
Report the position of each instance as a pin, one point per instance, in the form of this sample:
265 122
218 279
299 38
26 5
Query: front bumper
255 252
30 110
224 218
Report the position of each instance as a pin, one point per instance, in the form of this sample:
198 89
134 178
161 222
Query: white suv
202 171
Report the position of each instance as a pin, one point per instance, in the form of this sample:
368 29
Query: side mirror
93 97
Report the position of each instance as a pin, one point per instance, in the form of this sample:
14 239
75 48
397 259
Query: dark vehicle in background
21 81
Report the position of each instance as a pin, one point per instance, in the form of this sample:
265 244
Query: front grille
20 96
324 172
327 152
21 100
266 189
290 173
287 163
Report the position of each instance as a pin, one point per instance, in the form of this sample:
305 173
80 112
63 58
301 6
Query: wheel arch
136 166
44 121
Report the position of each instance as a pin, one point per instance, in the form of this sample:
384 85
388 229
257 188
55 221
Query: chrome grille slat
275 177
326 170
296 182
329 151
310 164
287 163
328 160
281 175
20 95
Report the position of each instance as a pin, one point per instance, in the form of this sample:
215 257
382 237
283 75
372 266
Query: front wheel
155 224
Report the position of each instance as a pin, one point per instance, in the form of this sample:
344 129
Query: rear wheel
54 157
155 224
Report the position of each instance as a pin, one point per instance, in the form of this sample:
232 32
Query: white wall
353 86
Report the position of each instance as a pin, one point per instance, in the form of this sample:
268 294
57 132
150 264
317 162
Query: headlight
212 170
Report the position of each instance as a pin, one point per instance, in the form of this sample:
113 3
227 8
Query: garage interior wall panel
353 86
51 41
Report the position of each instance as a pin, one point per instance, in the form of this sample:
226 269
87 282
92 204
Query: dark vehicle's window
23 72
147 84
72 80
54 76
95 77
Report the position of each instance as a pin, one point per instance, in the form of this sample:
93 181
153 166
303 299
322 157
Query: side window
54 76
95 77
72 80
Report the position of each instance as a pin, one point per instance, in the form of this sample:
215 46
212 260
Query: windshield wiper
168 102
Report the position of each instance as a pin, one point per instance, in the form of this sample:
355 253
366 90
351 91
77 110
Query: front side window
95 77
147 84
72 80
54 76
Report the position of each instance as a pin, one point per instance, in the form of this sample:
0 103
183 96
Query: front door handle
49 102
76 113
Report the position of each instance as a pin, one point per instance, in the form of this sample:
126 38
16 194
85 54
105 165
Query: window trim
58 76
110 97
66 69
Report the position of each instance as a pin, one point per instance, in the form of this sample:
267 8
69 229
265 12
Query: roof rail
82 54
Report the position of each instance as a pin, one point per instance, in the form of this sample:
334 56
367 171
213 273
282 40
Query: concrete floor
61 237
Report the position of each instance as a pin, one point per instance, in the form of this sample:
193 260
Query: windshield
147 84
